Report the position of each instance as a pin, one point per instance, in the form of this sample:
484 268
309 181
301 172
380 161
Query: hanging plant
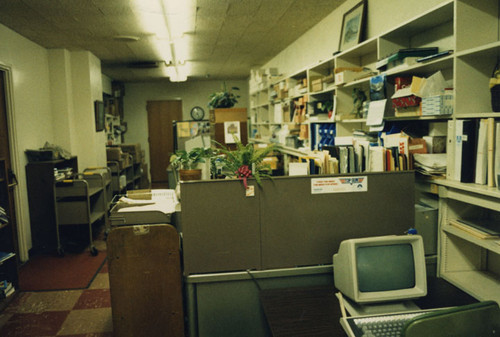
223 99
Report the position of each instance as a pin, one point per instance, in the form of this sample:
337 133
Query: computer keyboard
381 325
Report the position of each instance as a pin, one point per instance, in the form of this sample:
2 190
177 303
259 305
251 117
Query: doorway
5 153
161 115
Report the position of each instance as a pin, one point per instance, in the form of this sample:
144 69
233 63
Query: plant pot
194 174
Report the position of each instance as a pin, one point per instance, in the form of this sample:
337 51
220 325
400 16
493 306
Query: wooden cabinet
41 178
8 240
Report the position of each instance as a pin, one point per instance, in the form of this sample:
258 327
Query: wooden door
161 138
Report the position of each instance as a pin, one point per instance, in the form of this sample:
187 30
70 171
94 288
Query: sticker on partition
339 185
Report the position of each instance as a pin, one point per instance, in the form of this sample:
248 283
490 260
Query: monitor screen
379 269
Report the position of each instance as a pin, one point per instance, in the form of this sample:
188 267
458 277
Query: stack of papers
431 164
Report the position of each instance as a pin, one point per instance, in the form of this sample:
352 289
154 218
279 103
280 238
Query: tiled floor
70 313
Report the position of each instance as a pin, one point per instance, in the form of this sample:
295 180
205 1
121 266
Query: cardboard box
134 150
317 85
228 115
435 144
346 76
126 160
407 96
410 111
282 93
114 153
273 162
404 98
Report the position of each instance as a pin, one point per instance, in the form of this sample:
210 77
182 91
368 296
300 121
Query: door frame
15 162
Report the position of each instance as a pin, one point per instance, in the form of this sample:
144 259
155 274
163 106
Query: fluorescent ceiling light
169 20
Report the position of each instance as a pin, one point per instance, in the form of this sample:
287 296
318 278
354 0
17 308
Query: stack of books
6 289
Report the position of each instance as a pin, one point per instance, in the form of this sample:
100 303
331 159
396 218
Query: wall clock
197 113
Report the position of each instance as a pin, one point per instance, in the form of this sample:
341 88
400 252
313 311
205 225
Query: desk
315 311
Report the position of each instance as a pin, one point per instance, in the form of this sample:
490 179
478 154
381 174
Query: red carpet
72 271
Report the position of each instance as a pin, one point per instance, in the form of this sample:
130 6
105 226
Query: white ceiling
230 38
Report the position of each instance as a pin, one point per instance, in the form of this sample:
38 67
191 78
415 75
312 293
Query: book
481 153
497 153
474 229
376 159
490 135
465 150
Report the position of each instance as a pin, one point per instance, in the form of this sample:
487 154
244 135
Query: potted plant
187 162
223 99
246 161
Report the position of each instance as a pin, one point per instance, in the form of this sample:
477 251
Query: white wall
30 101
50 99
321 41
192 93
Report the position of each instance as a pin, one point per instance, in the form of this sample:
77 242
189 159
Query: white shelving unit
470 263
471 29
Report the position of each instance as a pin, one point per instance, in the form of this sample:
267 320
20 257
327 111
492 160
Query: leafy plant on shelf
246 161
223 99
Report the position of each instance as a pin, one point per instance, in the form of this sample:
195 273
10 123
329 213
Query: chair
480 319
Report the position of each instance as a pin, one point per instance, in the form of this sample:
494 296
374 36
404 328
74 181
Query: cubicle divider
290 221
284 235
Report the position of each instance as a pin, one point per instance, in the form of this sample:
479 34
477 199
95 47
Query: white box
437 105
349 76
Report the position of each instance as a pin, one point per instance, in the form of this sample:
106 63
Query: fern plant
246 161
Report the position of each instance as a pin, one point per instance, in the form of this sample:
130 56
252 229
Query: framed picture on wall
99 115
352 26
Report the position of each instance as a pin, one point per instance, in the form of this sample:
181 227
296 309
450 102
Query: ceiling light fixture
179 19
169 21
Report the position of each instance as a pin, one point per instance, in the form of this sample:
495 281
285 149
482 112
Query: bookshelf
41 180
8 243
471 30
469 262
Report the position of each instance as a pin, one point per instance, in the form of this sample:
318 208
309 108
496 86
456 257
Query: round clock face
197 113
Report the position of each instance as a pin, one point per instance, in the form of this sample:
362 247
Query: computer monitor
381 269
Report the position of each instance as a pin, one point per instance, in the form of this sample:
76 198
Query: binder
497 153
481 153
465 150
343 159
352 160
490 135
377 158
